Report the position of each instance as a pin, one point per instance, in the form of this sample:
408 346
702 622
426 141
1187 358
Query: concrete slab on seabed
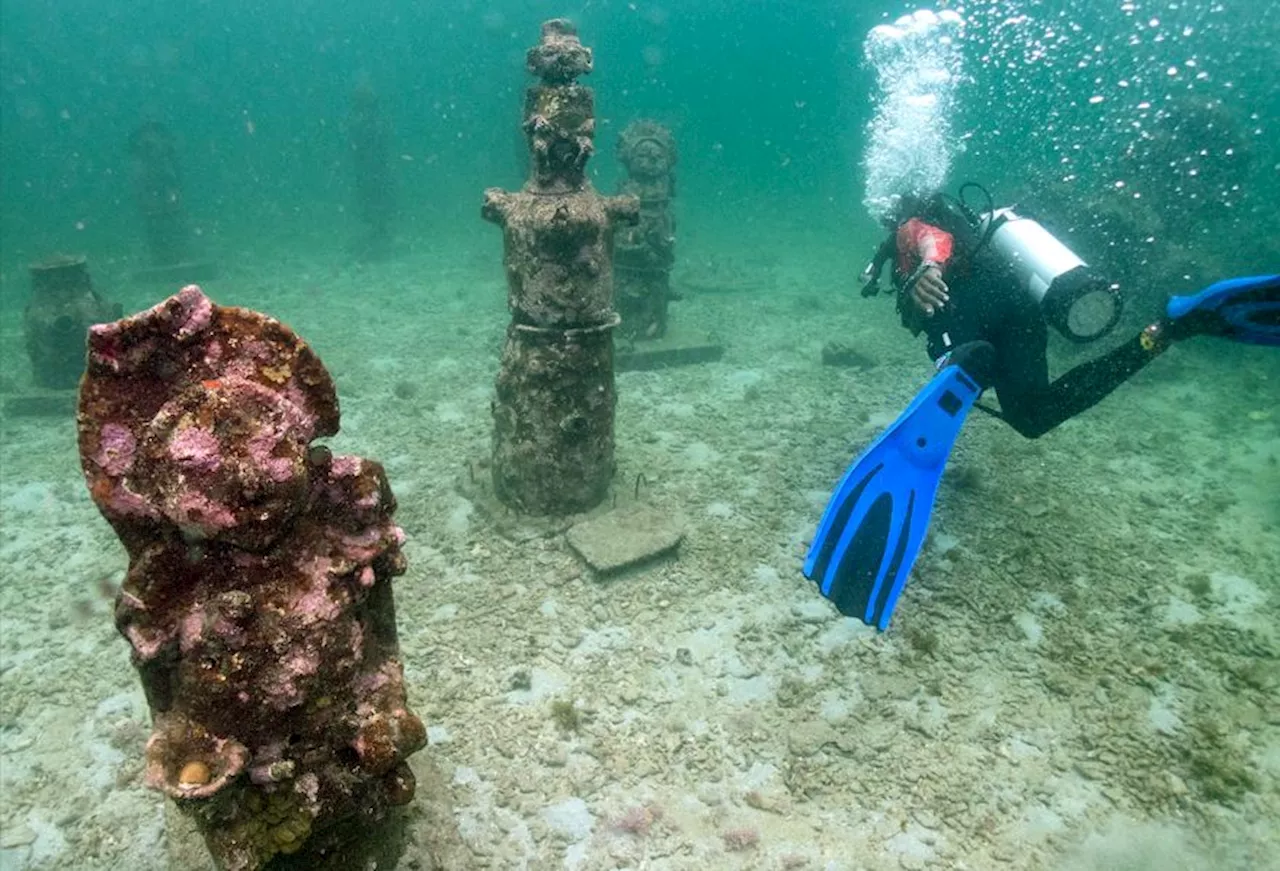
679 347
625 537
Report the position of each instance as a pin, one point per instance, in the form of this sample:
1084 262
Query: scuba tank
1075 301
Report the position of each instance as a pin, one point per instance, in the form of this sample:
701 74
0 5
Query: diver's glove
869 278
977 359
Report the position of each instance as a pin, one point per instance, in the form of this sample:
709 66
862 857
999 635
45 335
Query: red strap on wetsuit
919 241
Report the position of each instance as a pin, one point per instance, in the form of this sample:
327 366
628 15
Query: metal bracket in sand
679 347
623 538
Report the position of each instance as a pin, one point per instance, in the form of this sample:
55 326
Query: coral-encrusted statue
258 599
553 415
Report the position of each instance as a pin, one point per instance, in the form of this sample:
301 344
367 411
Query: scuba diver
985 287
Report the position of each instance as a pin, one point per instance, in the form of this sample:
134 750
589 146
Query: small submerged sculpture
645 253
56 322
553 448
158 191
369 139
258 599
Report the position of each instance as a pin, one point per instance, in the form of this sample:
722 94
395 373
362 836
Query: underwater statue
553 448
157 186
644 254
57 318
258 599
369 138
158 192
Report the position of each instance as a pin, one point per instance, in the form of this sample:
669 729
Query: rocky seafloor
1083 670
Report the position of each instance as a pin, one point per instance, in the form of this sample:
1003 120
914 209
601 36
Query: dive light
1075 301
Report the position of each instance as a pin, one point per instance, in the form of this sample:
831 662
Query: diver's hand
929 293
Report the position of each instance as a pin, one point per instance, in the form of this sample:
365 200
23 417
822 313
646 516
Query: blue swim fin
874 525
1244 309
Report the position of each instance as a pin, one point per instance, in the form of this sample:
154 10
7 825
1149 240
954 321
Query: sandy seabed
1082 674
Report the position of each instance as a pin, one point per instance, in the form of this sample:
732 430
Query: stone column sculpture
56 322
369 138
645 253
157 187
553 448
258 599
158 192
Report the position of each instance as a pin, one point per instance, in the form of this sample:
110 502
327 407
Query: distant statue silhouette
157 187
369 139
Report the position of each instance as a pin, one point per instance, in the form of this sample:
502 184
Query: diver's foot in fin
875 524
1243 309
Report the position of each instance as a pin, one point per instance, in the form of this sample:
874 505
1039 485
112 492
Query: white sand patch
700 455
29 498
459 521
1180 613
719 510
1029 626
449 412
879 420
1237 599
1162 712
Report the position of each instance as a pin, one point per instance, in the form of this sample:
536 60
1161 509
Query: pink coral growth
638 820
196 449
116 447
314 603
345 466
195 311
197 513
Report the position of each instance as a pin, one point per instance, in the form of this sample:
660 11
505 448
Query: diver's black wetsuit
988 305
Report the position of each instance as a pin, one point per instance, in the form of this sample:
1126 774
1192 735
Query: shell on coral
187 763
